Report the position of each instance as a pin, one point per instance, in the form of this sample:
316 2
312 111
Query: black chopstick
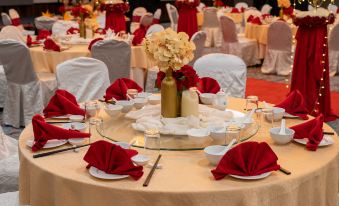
328 133
148 178
285 171
58 151
285 117
59 122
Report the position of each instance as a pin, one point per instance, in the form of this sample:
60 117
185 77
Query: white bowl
143 95
91 110
76 118
198 135
218 133
123 145
281 139
278 114
126 105
213 154
140 160
75 126
207 98
154 99
113 110
139 102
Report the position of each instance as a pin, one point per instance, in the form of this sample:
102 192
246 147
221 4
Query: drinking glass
92 108
251 102
152 141
232 132
95 127
131 93
268 115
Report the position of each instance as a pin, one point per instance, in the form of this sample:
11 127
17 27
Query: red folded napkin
235 10
43 34
49 44
208 85
112 159
93 42
16 21
250 18
294 104
139 35
242 9
256 20
62 103
29 41
118 89
73 30
100 31
312 130
44 132
156 21
247 159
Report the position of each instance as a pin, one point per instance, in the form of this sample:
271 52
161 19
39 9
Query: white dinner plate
256 177
61 117
50 143
76 141
326 141
103 175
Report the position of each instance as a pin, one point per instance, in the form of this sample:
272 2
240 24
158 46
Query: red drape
309 64
115 21
187 21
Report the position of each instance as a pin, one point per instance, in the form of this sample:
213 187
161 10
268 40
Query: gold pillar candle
169 96
82 27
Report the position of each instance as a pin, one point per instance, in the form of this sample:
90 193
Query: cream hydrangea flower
169 49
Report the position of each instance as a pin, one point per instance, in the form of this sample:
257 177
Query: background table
237 17
185 178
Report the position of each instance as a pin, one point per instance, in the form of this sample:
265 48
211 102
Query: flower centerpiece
82 12
285 8
171 51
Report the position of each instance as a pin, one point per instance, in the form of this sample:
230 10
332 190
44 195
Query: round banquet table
185 179
237 17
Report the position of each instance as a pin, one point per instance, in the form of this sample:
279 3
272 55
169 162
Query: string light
288 77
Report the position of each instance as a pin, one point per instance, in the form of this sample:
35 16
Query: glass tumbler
251 102
151 141
232 132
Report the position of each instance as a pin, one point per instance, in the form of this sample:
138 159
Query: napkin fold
30 42
112 159
250 18
256 20
294 104
139 35
247 159
62 103
208 85
43 34
312 130
93 42
73 30
118 89
49 44
44 132
235 10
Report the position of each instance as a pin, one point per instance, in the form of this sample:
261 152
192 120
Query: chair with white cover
333 50
86 78
230 72
6 20
43 22
10 198
151 78
136 17
27 91
332 8
241 5
246 49
279 49
157 16
266 9
154 29
173 16
116 55
201 7
14 15
60 27
212 27
198 39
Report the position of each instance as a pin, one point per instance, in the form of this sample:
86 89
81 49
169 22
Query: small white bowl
143 95
140 160
75 126
126 105
76 118
123 145
154 99
207 98
198 135
281 139
218 133
139 102
113 110
213 154
278 114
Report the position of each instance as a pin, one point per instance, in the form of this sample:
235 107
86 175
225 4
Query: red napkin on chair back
29 41
247 159
294 104
250 18
112 159
93 42
156 21
16 21
235 10
43 34
312 130
62 103
118 89
73 30
256 20
44 132
49 44
139 35
208 85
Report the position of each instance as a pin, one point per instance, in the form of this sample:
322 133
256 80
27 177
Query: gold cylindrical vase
82 27
169 107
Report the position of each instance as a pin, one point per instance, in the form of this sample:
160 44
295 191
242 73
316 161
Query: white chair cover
266 9
6 20
157 14
26 95
228 70
60 27
334 50
201 7
139 11
45 23
173 16
279 49
14 15
332 8
86 78
116 55
154 28
246 49
10 198
147 19
212 27
151 78
3 86
240 5
12 32
198 39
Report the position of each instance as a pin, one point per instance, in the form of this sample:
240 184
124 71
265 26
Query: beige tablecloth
237 17
185 178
